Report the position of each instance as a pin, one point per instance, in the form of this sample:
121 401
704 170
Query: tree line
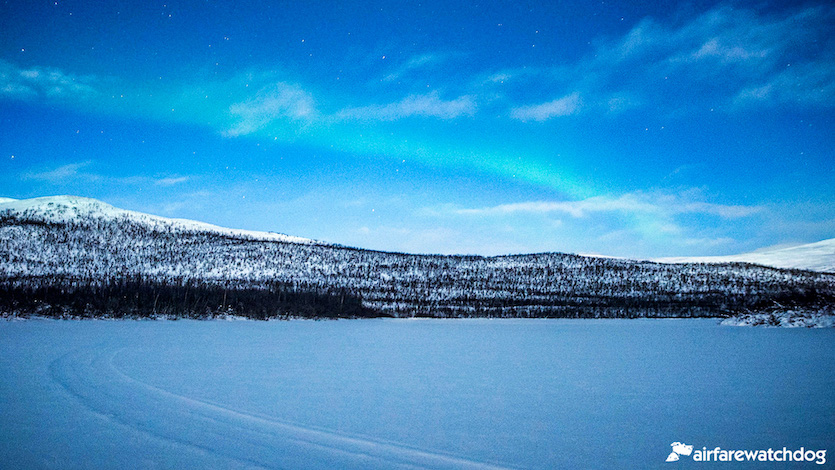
138 296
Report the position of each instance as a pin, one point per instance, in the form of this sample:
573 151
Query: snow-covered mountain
818 256
64 209
78 256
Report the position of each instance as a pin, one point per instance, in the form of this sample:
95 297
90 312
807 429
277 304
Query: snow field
404 393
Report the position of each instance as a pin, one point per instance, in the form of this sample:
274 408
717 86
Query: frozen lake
405 393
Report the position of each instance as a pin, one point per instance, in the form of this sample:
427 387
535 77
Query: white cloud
807 84
277 102
714 49
637 203
63 173
171 181
428 105
415 63
289 104
725 56
620 102
708 242
516 75
564 106
500 77
624 225
79 172
739 50
43 82
144 180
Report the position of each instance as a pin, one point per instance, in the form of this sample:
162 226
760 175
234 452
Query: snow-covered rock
785 319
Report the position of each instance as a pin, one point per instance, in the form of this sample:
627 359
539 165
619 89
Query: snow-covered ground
818 256
786 319
404 393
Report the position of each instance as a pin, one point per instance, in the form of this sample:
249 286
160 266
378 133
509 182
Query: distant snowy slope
70 208
819 256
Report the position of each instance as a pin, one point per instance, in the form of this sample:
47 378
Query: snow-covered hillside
82 257
818 256
63 209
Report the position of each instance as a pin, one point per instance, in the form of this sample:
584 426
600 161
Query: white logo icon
679 449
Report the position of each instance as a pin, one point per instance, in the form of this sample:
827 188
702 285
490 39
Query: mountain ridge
71 256
818 256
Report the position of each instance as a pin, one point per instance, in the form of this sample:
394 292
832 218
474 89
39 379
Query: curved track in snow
243 439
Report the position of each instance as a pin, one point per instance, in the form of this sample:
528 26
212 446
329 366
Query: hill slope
818 256
65 209
81 257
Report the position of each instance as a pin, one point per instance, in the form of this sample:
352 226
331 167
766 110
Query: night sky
624 129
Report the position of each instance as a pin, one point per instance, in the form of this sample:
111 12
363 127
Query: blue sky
623 129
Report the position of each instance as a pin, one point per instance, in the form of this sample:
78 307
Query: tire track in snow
248 439
80 375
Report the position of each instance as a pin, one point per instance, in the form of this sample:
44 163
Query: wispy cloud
63 173
415 63
427 105
510 75
43 82
83 172
624 224
564 106
171 181
726 56
637 203
285 104
805 84
278 102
